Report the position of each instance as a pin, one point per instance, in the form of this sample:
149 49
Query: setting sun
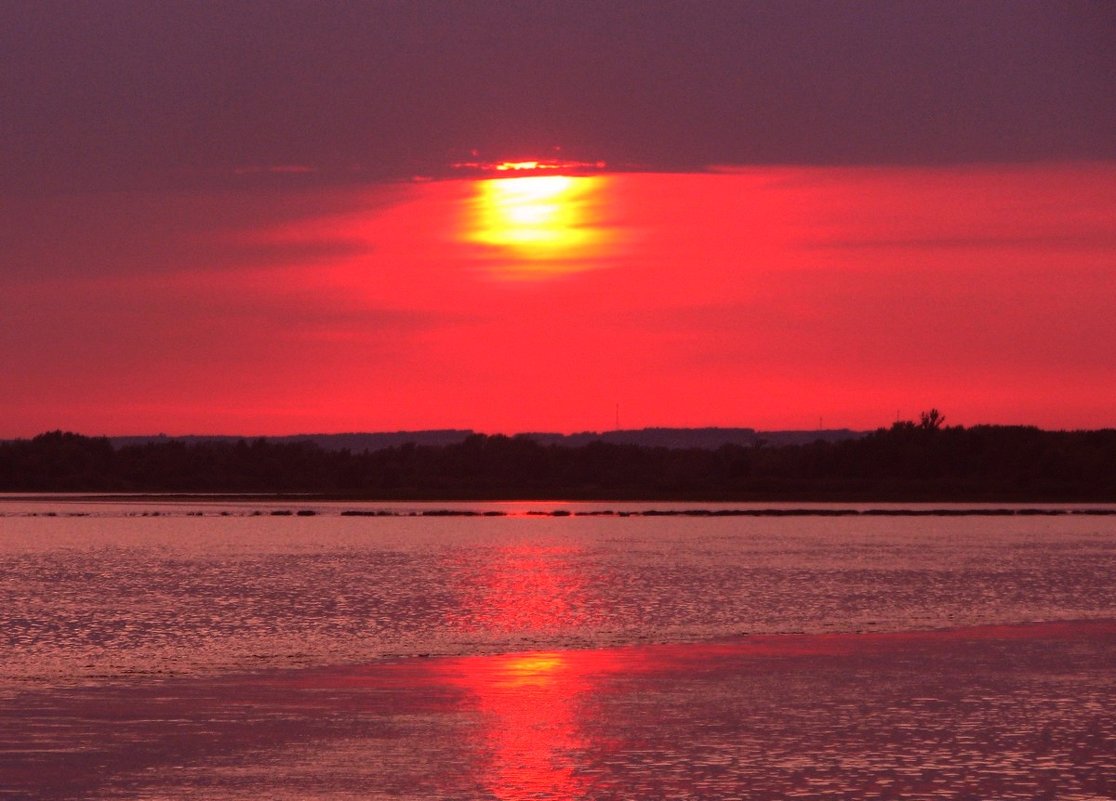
548 223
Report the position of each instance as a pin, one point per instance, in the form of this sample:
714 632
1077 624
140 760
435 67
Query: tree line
910 461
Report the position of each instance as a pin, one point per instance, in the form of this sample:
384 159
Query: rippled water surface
109 588
189 650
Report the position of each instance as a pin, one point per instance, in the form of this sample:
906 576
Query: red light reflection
530 701
526 591
532 705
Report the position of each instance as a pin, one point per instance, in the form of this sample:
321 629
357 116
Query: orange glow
524 165
540 225
530 165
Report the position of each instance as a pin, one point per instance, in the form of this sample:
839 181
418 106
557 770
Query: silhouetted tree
931 420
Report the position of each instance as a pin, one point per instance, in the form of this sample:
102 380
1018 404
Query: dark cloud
139 232
110 93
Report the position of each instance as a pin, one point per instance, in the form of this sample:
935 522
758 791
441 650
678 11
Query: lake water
193 624
228 586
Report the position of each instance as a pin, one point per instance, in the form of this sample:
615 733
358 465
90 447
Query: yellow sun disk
540 217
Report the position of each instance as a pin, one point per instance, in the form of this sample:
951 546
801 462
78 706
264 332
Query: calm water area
236 648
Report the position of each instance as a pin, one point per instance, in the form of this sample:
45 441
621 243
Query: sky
245 218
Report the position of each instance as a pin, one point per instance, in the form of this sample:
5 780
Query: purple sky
97 94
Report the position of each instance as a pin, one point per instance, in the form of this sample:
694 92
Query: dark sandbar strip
728 512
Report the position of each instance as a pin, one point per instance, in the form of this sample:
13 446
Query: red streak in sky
766 297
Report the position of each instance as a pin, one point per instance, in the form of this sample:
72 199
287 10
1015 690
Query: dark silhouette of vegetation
931 420
923 461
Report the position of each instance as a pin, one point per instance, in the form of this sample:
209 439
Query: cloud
132 94
162 232
275 169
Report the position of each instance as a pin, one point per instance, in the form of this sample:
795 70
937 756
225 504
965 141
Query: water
115 592
179 649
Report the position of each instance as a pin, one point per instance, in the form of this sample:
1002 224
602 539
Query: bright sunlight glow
537 221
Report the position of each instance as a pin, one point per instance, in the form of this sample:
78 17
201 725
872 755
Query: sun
533 214
539 221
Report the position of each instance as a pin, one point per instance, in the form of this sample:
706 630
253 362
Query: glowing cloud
529 165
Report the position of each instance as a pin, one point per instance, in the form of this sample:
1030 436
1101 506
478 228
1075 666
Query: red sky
208 222
771 297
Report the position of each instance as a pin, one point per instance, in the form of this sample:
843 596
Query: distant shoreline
914 463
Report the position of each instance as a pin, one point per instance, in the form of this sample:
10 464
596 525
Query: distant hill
703 438
356 442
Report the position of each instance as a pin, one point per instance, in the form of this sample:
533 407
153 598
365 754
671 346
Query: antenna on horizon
617 418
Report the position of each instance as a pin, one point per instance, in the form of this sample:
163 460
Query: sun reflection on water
533 706
537 669
530 701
